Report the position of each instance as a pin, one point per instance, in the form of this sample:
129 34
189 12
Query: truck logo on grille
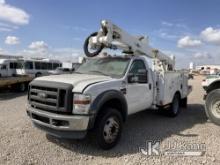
42 95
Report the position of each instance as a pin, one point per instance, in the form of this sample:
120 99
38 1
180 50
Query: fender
215 84
104 97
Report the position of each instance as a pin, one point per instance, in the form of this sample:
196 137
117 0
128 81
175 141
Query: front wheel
212 106
108 128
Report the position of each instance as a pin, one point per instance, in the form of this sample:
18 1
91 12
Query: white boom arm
111 36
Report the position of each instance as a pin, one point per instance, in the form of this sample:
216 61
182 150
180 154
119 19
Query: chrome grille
55 97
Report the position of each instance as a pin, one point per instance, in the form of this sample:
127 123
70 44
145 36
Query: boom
113 37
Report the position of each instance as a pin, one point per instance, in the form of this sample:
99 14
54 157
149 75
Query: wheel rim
111 130
215 108
176 105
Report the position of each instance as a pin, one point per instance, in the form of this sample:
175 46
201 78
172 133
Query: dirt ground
21 143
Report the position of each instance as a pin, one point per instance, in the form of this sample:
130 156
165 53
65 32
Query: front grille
51 96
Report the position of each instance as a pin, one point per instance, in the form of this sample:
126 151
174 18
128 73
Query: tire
86 47
174 108
108 128
21 87
38 74
212 106
184 102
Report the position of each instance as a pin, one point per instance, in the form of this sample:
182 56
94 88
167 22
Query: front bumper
62 126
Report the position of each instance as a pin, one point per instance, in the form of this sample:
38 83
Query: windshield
114 67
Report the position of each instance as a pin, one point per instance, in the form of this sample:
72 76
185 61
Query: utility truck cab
100 95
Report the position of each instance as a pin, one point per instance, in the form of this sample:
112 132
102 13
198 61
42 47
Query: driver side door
139 90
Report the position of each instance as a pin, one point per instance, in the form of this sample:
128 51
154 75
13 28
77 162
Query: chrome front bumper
58 125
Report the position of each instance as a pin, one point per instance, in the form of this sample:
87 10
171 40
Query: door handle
150 86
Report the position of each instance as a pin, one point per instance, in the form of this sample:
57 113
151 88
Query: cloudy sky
188 29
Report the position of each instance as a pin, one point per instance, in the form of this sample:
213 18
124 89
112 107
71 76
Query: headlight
81 103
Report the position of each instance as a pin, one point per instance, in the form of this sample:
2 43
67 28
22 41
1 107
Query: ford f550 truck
104 91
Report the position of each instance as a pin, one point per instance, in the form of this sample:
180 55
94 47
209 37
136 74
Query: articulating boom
113 37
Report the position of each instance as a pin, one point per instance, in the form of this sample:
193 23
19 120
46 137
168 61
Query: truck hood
79 81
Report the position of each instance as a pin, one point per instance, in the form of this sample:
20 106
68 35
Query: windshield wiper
96 71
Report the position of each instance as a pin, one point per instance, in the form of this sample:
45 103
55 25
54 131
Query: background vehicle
105 90
8 67
17 83
61 70
37 67
212 98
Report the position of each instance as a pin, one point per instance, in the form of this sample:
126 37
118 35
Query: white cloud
202 55
2 1
41 49
5 29
62 54
1 50
165 35
38 45
211 35
165 23
187 41
12 40
13 14
174 25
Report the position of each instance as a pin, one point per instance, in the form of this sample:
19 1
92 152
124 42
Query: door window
138 71
137 66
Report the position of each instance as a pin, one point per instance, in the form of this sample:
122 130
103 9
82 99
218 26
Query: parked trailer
19 83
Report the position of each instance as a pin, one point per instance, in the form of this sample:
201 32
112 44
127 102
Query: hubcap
111 130
215 107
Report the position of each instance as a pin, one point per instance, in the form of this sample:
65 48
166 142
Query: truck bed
7 81
169 83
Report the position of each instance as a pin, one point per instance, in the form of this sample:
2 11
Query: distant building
208 69
191 66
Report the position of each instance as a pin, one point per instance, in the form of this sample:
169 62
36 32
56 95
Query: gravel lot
21 143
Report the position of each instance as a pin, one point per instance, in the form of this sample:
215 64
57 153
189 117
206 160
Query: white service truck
103 91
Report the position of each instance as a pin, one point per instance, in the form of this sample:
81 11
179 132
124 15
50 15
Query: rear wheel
174 109
212 106
21 87
108 128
